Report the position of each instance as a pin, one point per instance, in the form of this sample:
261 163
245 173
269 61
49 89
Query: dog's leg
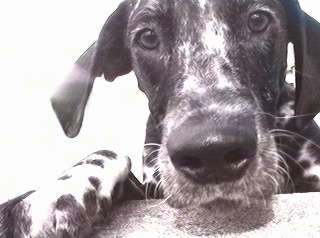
299 148
70 206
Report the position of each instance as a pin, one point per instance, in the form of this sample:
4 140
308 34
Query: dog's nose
218 155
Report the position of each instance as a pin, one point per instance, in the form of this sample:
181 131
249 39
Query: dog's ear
304 33
108 56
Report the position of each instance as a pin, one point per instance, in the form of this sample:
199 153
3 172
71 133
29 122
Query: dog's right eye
148 39
259 21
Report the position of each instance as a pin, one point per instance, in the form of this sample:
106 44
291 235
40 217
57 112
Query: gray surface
295 215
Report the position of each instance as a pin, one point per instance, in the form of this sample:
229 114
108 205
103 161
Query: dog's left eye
148 39
259 21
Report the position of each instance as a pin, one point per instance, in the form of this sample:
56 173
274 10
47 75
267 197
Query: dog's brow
146 10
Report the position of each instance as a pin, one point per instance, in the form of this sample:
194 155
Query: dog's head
213 71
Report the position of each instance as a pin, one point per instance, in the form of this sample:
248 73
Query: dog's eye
258 21
148 39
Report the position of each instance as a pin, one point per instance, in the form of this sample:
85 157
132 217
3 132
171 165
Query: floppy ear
304 33
108 56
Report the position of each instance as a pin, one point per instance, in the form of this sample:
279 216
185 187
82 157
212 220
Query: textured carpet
294 215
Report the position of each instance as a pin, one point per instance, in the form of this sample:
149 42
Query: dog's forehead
190 20
200 7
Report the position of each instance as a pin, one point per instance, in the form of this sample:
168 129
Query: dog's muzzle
212 151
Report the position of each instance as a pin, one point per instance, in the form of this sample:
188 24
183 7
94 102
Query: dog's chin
220 203
178 202
229 202
181 192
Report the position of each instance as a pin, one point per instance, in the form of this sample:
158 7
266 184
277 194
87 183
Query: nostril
237 159
189 162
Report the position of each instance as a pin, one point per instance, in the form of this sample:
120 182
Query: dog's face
213 71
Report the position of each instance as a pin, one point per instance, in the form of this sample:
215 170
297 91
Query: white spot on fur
148 174
286 112
185 54
61 220
192 85
137 5
222 81
290 77
213 37
304 154
287 109
202 3
314 169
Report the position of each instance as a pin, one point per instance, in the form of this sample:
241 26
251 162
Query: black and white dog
223 125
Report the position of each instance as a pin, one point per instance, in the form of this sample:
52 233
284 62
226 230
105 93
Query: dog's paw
69 206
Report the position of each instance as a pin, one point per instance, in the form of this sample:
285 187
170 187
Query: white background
39 41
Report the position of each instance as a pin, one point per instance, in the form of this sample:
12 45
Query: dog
223 124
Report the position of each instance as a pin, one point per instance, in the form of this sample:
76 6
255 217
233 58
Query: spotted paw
70 205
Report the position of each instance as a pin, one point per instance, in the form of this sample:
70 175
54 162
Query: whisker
146 191
248 202
298 135
286 116
157 189
149 155
291 159
258 189
151 144
304 74
279 135
274 181
162 201
283 172
152 152
278 156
